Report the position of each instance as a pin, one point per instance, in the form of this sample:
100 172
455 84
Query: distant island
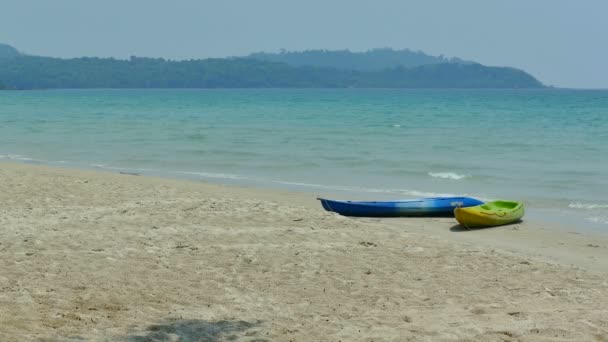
378 68
372 60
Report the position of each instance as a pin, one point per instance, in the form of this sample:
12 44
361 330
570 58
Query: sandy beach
115 257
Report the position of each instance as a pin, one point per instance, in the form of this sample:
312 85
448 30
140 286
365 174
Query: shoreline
542 243
109 256
551 216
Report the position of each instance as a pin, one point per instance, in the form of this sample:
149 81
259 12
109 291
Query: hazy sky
561 42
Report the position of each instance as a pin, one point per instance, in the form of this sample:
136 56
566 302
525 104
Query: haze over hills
7 51
371 60
379 68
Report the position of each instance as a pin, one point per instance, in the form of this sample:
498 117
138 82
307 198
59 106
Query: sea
547 147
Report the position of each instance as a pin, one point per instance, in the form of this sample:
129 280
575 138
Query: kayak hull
490 214
435 207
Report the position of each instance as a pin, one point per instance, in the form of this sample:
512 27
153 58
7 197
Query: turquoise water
548 148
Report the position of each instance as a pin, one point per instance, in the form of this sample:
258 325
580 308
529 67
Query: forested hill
33 72
371 60
7 51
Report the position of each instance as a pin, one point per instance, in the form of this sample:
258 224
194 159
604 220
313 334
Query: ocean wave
190 173
212 175
589 206
328 187
428 194
107 167
401 192
15 157
603 220
447 175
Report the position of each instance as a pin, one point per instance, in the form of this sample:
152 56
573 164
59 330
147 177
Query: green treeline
34 72
7 51
371 60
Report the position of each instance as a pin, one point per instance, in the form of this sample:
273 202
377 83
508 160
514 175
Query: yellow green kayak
490 214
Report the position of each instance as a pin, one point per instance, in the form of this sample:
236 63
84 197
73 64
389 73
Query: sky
563 43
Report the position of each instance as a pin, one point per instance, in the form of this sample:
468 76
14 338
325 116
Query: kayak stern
491 214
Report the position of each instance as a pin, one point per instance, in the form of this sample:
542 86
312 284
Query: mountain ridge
370 60
36 72
7 51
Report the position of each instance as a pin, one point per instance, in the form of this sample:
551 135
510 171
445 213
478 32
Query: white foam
15 157
603 220
329 187
212 175
428 194
301 184
413 193
447 175
589 206
107 167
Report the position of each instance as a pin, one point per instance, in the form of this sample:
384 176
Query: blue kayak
436 206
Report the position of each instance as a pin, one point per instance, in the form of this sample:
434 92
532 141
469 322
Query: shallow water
548 148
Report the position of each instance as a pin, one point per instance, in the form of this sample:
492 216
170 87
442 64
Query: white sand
99 256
